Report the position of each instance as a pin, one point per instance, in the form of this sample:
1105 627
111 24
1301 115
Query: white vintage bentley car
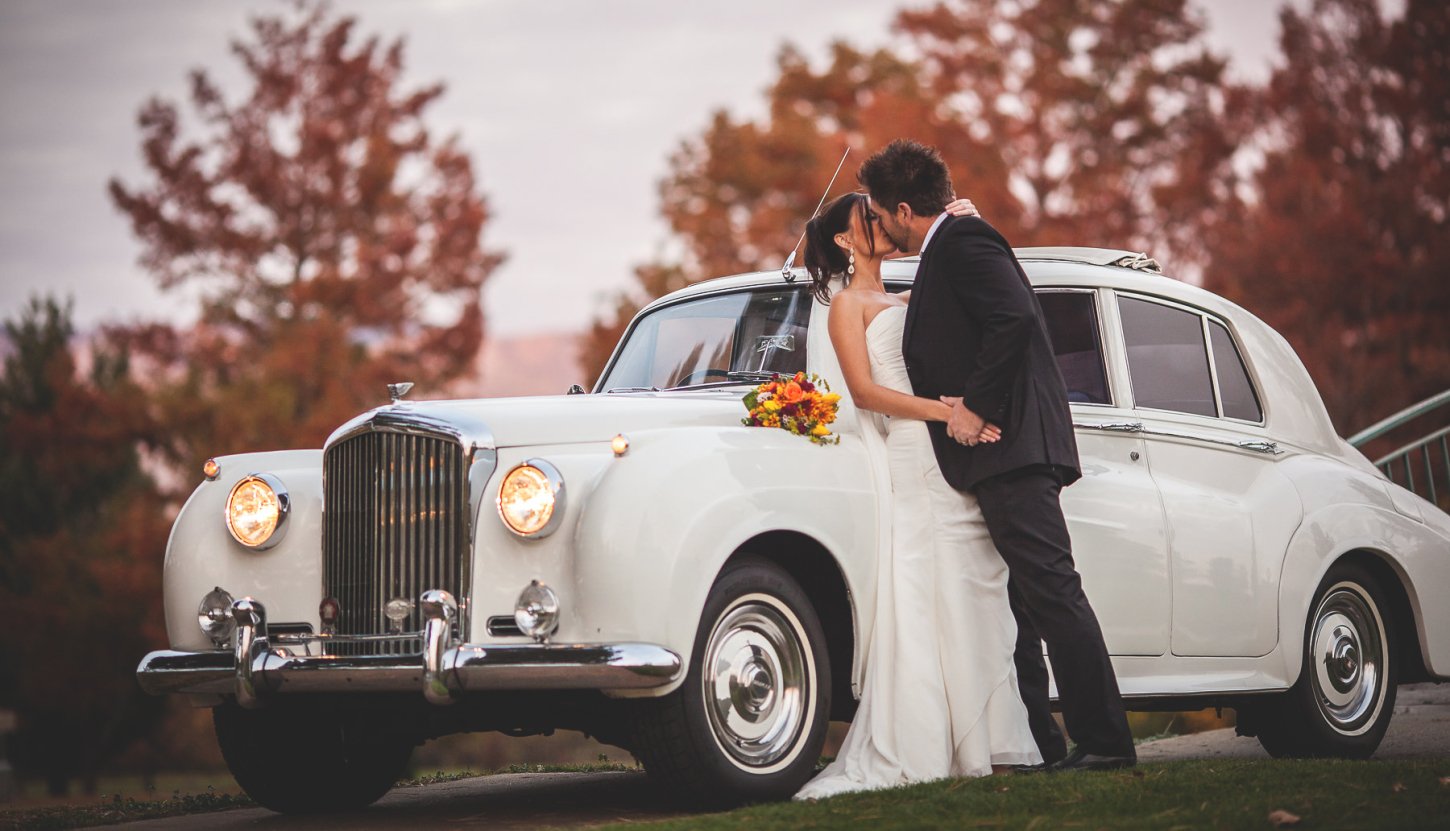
636 564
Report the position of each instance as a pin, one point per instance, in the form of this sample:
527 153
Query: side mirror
575 389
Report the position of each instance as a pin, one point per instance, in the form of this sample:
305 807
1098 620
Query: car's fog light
214 616
537 611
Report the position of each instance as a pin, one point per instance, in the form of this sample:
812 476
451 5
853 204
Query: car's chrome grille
395 525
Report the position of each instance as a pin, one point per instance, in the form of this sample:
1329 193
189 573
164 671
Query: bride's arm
848 335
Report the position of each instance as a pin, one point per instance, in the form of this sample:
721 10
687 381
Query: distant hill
544 364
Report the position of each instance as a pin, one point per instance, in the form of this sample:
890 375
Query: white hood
571 419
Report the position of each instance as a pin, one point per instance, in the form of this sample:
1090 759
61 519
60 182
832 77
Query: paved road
507 801
1421 728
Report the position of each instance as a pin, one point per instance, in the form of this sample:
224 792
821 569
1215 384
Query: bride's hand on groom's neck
962 207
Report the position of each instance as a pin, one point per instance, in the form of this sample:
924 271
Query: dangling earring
851 264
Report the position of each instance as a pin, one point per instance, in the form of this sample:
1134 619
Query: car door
1229 510
1119 536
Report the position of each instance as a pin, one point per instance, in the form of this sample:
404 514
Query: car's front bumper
254 669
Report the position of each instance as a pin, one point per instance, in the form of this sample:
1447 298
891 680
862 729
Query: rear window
1236 392
1167 359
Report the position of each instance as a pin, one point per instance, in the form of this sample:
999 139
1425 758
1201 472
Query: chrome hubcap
756 674
1347 643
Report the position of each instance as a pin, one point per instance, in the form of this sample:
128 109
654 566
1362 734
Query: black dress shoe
1038 768
1080 759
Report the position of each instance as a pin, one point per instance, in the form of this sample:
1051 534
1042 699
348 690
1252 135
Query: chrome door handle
1260 446
1114 426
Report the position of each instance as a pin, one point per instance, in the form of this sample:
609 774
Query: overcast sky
557 100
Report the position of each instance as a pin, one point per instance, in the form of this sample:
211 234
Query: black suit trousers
1024 517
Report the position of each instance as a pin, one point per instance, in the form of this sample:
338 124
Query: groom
975 338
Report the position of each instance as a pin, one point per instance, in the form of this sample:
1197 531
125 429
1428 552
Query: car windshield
723 338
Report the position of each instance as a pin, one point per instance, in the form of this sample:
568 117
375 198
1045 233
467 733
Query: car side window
700 340
1072 325
1167 359
1236 392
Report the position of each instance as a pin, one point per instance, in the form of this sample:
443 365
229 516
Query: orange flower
792 392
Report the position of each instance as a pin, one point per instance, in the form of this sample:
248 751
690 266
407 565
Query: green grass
1179 795
108 810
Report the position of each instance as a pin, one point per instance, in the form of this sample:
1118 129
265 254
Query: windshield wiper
631 389
736 378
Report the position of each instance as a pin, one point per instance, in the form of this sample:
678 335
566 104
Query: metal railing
1426 453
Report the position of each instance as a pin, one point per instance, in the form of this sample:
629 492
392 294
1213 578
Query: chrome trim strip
1212 366
467 668
332 637
470 432
480 471
1269 447
1113 426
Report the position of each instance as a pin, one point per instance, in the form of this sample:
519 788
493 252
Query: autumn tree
1068 121
1344 247
334 241
81 530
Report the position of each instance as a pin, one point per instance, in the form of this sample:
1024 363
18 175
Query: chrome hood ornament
398 390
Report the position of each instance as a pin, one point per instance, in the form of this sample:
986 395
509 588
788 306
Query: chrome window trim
1204 317
1212 365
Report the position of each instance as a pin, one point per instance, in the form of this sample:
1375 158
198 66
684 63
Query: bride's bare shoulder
847 305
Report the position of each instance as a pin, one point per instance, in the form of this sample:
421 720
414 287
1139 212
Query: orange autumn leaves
802 404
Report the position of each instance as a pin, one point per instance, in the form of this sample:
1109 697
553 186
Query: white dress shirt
932 230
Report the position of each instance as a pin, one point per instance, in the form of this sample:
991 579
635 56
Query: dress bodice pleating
883 344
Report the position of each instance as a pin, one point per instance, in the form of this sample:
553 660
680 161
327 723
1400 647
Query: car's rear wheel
750 719
307 759
1342 702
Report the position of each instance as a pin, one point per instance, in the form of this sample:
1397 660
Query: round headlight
531 499
214 616
257 510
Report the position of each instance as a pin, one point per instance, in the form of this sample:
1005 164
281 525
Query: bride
939 692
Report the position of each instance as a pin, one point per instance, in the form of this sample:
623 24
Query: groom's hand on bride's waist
968 428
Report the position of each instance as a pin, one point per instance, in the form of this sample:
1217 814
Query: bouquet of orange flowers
802 404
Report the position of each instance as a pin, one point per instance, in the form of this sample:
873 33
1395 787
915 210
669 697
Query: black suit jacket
974 329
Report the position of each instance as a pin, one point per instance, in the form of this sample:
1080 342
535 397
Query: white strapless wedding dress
939 694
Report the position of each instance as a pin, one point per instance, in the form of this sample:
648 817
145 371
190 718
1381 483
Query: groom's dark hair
907 171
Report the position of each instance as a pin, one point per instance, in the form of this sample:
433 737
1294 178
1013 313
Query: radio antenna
785 270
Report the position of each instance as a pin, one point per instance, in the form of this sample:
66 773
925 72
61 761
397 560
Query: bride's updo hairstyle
824 258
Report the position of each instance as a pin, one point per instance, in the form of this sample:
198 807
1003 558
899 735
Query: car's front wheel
1342 702
306 759
750 719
